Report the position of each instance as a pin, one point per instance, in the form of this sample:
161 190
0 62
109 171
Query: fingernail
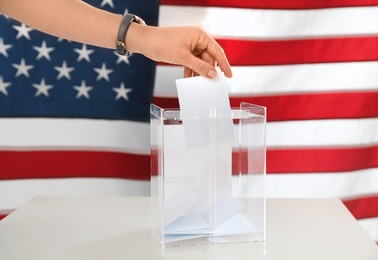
212 74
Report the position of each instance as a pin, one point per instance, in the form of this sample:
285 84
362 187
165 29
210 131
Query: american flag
74 118
313 64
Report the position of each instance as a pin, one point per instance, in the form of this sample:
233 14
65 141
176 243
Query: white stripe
284 79
62 134
14 193
371 227
165 80
257 23
322 133
322 185
43 133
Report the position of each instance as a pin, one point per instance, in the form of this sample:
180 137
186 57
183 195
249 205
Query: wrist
134 36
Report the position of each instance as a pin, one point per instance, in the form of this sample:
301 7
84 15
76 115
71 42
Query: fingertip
227 72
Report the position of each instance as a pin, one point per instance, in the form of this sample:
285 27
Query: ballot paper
205 110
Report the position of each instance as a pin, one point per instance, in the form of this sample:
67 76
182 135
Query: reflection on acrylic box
208 167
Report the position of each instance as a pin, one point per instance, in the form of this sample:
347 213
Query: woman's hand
188 46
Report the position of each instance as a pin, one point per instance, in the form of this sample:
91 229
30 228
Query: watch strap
122 31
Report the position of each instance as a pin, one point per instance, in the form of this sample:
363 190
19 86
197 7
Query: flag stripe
342 49
366 207
278 4
305 107
285 79
59 164
321 160
285 134
343 185
274 24
322 133
78 134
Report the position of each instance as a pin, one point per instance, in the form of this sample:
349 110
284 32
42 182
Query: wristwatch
124 26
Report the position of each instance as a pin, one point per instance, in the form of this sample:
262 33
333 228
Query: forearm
77 21
69 19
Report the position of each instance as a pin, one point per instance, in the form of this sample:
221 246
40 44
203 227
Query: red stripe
318 160
300 51
362 208
309 160
276 4
65 164
305 106
2 216
313 160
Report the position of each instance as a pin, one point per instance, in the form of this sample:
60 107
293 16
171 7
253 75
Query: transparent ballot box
208 175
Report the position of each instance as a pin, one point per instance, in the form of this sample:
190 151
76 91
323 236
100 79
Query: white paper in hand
205 110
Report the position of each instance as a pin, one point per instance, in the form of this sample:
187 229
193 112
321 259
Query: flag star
64 71
84 53
23 31
4 86
103 72
83 90
22 68
4 48
44 51
123 58
122 92
42 88
109 2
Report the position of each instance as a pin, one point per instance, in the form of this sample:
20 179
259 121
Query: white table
115 228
